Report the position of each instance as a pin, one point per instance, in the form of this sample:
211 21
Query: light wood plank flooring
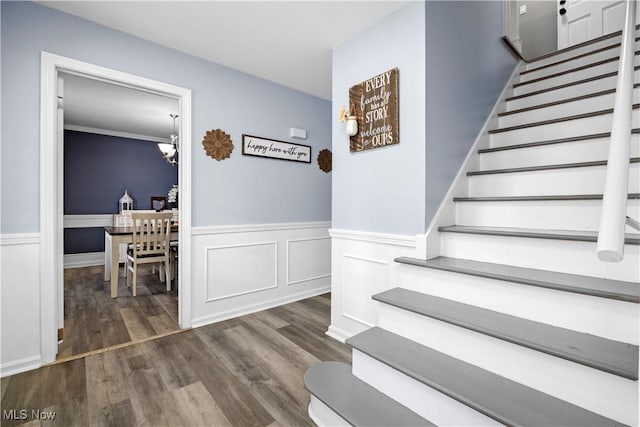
93 320
242 372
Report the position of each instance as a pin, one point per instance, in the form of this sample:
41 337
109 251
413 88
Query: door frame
51 189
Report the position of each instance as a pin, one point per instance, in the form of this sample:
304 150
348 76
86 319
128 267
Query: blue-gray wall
382 190
239 190
467 68
452 67
97 171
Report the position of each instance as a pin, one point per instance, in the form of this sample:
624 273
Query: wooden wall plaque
374 102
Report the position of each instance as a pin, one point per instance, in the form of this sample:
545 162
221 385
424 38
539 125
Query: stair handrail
611 233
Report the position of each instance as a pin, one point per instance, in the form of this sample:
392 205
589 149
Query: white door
584 20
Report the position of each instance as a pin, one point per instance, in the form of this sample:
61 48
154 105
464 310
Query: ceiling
286 42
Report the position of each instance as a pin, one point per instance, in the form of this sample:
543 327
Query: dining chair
151 234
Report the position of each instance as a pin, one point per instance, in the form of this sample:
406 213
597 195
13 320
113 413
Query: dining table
113 238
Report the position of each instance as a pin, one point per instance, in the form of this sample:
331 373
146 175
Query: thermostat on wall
298 133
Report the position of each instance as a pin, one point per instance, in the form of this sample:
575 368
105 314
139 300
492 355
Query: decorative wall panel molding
361 278
362 265
240 269
308 259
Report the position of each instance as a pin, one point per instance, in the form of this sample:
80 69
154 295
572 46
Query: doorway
51 189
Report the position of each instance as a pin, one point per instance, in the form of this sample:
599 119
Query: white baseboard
18 366
338 334
253 308
83 260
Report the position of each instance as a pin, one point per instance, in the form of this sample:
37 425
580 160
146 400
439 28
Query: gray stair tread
497 397
560 102
547 167
587 285
580 236
631 196
576 46
572 70
573 58
600 353
356 401
577 82
557 120
635 131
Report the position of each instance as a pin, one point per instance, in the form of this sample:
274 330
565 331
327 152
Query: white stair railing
614 202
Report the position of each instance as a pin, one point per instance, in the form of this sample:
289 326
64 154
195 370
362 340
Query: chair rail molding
51 182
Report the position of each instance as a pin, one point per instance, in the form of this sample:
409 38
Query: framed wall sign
272 148
374 102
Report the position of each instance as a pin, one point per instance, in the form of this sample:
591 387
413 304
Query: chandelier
170 149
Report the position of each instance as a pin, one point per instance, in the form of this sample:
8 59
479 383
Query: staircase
516 322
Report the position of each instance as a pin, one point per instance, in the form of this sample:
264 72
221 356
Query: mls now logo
23 414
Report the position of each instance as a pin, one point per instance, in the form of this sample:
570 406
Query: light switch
523 9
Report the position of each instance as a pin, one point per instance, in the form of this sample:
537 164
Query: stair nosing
562 86
557 120
571 235
572 70
524 276
530 326
560 102
546 167
471 392
338 405
631 196
634 131
573 58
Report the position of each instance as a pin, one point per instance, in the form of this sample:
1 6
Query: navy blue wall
98 169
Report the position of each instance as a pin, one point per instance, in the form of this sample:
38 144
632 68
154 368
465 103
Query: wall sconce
352 122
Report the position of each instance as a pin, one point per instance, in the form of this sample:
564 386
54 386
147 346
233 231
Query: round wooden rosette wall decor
217 144
324 160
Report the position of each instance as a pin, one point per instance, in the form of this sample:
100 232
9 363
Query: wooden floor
93 320
242 372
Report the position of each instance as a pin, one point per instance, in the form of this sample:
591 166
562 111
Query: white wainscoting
87 221
243 269
363 265
20 303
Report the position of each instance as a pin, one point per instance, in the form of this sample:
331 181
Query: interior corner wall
538 27
467 68
382 190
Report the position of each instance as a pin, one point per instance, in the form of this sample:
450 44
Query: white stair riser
582 106
420 398
596 70
583 180
574 52
552 215
566 152
562 93
565 129
606 394
323 416
607 318
585 60
565 256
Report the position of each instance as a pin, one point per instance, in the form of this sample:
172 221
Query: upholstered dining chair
151 233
